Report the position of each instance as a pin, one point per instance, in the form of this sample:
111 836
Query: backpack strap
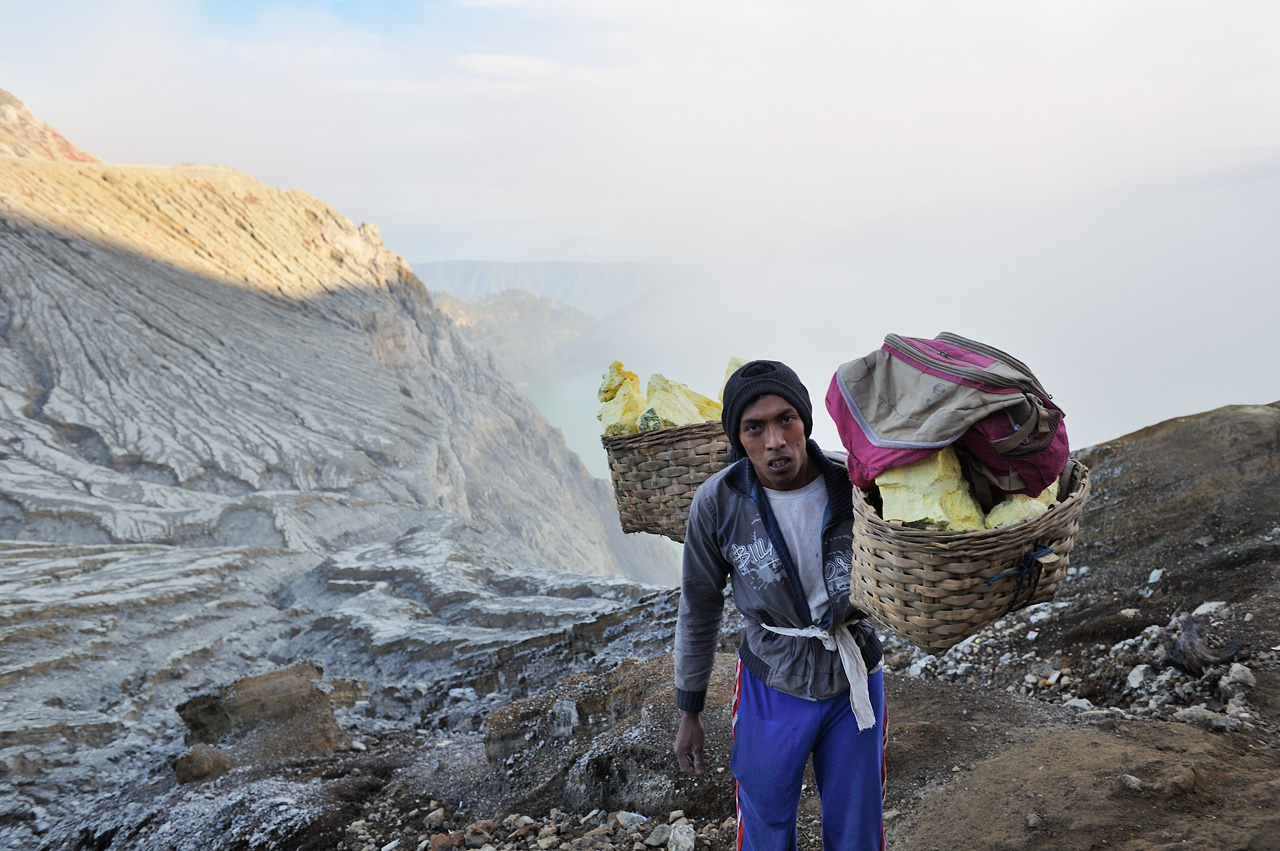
1037 425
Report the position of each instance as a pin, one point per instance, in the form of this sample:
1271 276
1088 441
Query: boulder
285 713
202 762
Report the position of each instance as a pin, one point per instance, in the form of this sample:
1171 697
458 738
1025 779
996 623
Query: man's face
773 434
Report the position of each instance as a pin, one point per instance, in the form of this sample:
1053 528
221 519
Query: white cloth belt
855 669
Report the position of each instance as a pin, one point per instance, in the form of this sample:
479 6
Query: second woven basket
656 472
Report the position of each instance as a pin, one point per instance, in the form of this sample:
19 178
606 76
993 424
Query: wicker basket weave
932 588
656 472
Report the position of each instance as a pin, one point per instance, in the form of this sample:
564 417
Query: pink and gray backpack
910 398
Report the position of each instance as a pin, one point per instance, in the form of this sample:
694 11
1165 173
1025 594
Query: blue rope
1028 563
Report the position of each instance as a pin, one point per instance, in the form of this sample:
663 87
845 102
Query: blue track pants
774 735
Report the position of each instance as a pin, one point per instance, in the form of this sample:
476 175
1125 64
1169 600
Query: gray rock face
445 623
100 643
190 357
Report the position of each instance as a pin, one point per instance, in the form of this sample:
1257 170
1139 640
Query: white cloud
517 67
660 129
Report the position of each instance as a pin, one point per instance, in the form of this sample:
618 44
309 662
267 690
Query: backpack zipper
1028 383
996 354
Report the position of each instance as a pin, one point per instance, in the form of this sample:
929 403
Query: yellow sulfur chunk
1018 507
623 400
735 364
708 409
614 377
621 414
671 403
931 492
1015 509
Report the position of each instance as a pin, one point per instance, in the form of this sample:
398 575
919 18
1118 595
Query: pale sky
1109 171
670 130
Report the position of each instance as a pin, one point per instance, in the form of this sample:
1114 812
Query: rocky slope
1066 725
101 645
190 357
236 431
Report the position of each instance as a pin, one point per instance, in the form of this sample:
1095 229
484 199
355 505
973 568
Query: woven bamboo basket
656 472
935 589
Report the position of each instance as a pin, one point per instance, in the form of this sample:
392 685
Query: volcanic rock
269 716
24 135
202 762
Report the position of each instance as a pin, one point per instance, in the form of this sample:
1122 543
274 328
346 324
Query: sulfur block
670 403
613 379
1018 507
619 414
1049 495
735 364
930 492
708 409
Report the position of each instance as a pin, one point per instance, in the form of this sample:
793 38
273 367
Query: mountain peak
24 135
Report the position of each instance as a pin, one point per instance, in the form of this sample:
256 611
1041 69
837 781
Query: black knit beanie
762 378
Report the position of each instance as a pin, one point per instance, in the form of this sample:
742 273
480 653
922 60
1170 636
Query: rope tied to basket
1031 564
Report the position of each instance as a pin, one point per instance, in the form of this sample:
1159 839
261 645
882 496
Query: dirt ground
977 770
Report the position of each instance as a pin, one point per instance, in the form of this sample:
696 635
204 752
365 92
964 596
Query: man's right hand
691 745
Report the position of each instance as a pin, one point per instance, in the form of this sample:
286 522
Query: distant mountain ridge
596 289
521 332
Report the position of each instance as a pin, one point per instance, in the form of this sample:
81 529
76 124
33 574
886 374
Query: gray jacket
732 534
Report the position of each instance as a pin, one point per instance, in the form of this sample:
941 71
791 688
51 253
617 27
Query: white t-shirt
799 514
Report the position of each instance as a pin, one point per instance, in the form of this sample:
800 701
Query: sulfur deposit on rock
1018 507
931 492
670 403
621 398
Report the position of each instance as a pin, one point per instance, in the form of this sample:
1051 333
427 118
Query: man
778 522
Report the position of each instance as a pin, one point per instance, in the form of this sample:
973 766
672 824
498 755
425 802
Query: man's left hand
691 745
